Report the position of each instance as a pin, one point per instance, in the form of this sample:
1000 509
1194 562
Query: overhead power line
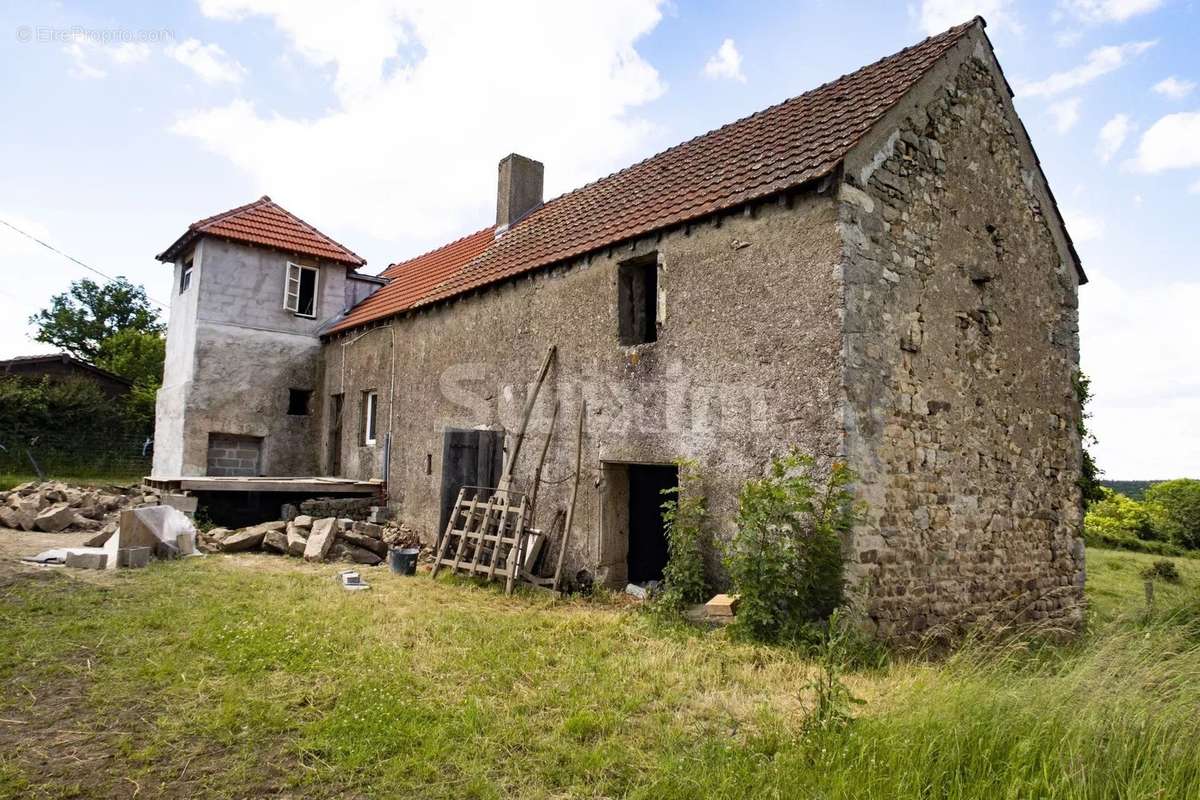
72 258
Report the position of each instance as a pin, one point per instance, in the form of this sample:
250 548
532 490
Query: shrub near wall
785 561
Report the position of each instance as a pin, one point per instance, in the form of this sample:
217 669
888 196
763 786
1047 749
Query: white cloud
936 16
1083 227
725 63
209 61
1171 143
1194 188
90 57
1065 114
1144 396
1109 10
429 96
1099 62
1068 38
1112 136
1174 88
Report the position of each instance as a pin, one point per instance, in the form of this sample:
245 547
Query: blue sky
381 122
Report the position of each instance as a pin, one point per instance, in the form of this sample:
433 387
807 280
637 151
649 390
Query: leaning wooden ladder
485 538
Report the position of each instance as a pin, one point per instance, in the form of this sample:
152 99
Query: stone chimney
518 191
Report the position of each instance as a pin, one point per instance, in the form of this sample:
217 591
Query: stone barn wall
961 345
746 365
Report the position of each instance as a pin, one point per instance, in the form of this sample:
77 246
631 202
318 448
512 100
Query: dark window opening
637 300
298 402
185 276
308 293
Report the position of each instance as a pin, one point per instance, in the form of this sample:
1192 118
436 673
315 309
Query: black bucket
403 561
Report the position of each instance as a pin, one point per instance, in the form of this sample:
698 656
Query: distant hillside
1134 489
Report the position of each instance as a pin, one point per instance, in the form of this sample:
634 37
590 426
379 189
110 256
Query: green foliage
1119 516
1164 570
139 356
786 558
1089 479
832 698
684 580
1175 511
70 427
82 318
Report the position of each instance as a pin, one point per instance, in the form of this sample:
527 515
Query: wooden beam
506 476
562 552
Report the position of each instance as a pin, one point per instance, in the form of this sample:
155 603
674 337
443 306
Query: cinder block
133 556
87 560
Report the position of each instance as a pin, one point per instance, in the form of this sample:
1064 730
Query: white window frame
185 274
291 289
370 418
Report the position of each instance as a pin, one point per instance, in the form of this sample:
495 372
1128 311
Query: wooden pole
562 552
445 540
506 476
537 475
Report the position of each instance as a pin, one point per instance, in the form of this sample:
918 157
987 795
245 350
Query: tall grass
283 683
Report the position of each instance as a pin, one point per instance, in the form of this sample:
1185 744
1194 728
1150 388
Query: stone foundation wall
961 344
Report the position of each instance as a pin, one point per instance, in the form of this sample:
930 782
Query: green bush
684 580
1174 508
786 558
1116 515
1163 570
1098 536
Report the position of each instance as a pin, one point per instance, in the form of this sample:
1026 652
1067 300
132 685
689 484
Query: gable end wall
961 342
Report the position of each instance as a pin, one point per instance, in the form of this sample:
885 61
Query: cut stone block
185 503
722 605
324 531
366 542
246 539
275 541
133 556
87 560
55 518
296 540
303 521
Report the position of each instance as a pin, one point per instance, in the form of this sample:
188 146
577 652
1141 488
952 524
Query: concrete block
133 556
324 531
185 503
87 560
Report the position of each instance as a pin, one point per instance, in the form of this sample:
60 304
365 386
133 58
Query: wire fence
91 454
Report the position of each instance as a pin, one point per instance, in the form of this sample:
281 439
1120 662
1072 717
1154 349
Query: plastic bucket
403 561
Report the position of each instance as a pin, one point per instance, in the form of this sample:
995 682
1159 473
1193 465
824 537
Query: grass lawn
253 676
10 479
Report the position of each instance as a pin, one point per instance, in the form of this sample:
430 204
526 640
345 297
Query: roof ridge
311 227
201 223
950 33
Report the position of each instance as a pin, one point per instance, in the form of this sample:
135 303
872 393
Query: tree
1175 510
82 318
138 356
1118 516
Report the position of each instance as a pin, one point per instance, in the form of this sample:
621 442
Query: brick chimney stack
519 189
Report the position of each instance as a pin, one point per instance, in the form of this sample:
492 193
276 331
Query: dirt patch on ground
14 545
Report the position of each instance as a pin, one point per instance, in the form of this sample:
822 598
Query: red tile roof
265 223
782 147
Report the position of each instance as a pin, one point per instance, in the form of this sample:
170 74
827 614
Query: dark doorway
469 458
335 434
647 533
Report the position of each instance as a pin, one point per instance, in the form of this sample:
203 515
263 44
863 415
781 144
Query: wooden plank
566 540
506 475
483 526
445 541
537 473
462 540
516 551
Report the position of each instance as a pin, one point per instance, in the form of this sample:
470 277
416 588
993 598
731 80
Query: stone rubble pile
323 539
55 507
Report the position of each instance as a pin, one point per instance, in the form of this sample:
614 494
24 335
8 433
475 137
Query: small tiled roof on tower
267 224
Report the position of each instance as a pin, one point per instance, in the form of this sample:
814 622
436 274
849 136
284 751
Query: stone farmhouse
875 271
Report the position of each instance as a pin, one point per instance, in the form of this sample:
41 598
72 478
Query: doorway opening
470 459
634 536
